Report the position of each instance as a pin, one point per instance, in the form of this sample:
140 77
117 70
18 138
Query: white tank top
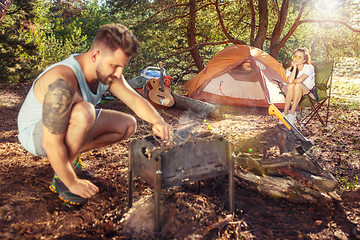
31 110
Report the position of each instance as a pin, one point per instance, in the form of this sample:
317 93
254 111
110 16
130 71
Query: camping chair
323 81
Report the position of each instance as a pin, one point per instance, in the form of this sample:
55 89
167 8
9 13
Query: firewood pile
297 178
289 175
285 174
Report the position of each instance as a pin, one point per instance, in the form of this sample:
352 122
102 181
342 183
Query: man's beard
106 80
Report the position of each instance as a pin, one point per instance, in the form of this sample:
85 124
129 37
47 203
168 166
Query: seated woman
301 79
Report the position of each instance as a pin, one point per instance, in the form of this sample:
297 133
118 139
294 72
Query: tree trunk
253 22
263 24
275 38
277 43
192 36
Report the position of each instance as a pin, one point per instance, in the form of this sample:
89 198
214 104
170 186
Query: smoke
189 125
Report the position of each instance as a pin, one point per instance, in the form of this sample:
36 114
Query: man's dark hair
113 36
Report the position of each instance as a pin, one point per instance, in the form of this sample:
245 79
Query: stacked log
297 178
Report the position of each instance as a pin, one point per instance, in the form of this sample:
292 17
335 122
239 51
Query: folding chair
323 81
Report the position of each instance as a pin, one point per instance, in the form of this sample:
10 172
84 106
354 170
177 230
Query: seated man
58 118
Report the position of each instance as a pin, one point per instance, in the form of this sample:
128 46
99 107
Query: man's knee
131 127
83 114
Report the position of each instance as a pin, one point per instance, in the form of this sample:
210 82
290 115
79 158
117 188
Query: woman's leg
299 91
289 97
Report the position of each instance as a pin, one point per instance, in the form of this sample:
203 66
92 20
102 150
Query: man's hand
163 130
83 188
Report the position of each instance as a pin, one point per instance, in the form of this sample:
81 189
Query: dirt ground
29 210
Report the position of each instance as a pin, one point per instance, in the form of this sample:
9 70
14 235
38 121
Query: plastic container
152 72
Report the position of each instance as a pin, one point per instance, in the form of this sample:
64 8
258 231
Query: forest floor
29 210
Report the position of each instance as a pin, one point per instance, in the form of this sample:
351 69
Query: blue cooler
152 72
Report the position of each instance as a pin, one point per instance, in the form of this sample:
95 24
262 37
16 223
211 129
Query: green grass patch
348 184
345 103
346 93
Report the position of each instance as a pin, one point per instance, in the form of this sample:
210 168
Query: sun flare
327 8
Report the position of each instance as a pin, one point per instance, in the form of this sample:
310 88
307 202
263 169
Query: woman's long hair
307 58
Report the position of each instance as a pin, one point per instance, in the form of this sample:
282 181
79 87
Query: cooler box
152 72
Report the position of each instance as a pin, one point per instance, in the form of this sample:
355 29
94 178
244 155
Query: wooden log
281 136
278 187
305 178
294 177
202 108
287 141
303 162
287 188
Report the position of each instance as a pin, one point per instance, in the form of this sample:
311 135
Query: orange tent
239 75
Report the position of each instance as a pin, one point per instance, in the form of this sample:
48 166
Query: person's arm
308 71
141 107
301 78
57 105
292 76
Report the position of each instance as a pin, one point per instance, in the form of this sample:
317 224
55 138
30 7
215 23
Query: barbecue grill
164 167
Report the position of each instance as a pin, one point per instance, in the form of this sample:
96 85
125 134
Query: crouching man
58 118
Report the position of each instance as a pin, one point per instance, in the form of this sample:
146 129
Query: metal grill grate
187 162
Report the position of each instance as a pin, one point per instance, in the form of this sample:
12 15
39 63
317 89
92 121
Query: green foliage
348 184
16 51
162 28
58 34
30 43
326 40
45 32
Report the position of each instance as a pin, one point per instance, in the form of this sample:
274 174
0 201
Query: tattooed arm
56 112
57 105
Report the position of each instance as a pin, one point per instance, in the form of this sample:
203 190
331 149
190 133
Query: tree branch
295 25
221 20
332 21
164 10
17 10
231 39
207 44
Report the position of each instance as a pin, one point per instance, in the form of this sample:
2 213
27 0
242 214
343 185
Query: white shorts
38 135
